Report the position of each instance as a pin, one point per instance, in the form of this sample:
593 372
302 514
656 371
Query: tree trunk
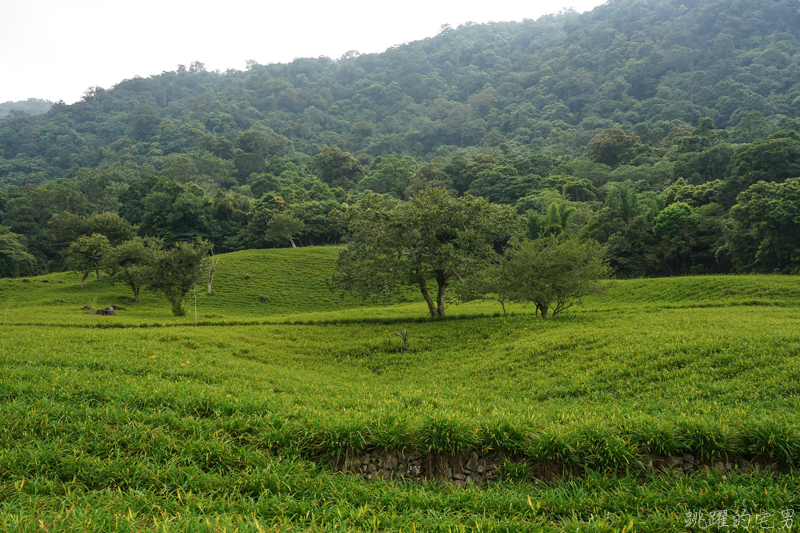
423 287
211 271
99 277
177 306
85 275
135 290
292 241
440 297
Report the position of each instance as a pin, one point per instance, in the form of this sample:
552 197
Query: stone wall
472 468
413 466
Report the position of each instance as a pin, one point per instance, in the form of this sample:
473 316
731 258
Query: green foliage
551 272
15 260
177 270
554 222
175 211
765 235
706 165
131 262
285 226
624 226
429 176
254 142
218 146
86 255
612 147
773 159
676 227
66 227
432 237
390 175
143 120
503 185
470 172
337 168
694 195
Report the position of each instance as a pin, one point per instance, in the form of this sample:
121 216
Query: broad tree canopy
764 233
552 272
431 238
176 271
131 262
285 226
86 254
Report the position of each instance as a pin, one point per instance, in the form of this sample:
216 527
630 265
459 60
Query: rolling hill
662 399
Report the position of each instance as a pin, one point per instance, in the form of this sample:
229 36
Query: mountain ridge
549 85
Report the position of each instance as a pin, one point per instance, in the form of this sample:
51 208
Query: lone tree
175 271
432 237
131 262
552 272
285 226
86 255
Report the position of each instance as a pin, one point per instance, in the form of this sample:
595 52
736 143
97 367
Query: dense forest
665 130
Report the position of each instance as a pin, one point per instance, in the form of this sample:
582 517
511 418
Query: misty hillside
549 85
31 106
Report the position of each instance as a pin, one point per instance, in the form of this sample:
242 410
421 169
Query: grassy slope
291 282
127 428
293 285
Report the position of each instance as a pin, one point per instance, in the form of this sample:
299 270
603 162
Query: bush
551 272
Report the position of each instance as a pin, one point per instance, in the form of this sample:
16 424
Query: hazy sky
56 49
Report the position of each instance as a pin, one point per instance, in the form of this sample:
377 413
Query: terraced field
657 399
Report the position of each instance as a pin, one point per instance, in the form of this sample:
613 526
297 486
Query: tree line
108 244
443 245
144 262
696 204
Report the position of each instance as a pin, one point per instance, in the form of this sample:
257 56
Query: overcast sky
56 49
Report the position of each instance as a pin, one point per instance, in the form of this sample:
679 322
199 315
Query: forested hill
549 85
646 125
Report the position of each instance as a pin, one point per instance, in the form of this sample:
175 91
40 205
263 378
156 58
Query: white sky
56 49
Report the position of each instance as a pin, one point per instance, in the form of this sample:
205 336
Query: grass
235 425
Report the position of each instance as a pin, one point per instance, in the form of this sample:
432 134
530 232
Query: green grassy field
143 422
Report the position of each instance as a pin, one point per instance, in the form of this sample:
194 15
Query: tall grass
236 426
